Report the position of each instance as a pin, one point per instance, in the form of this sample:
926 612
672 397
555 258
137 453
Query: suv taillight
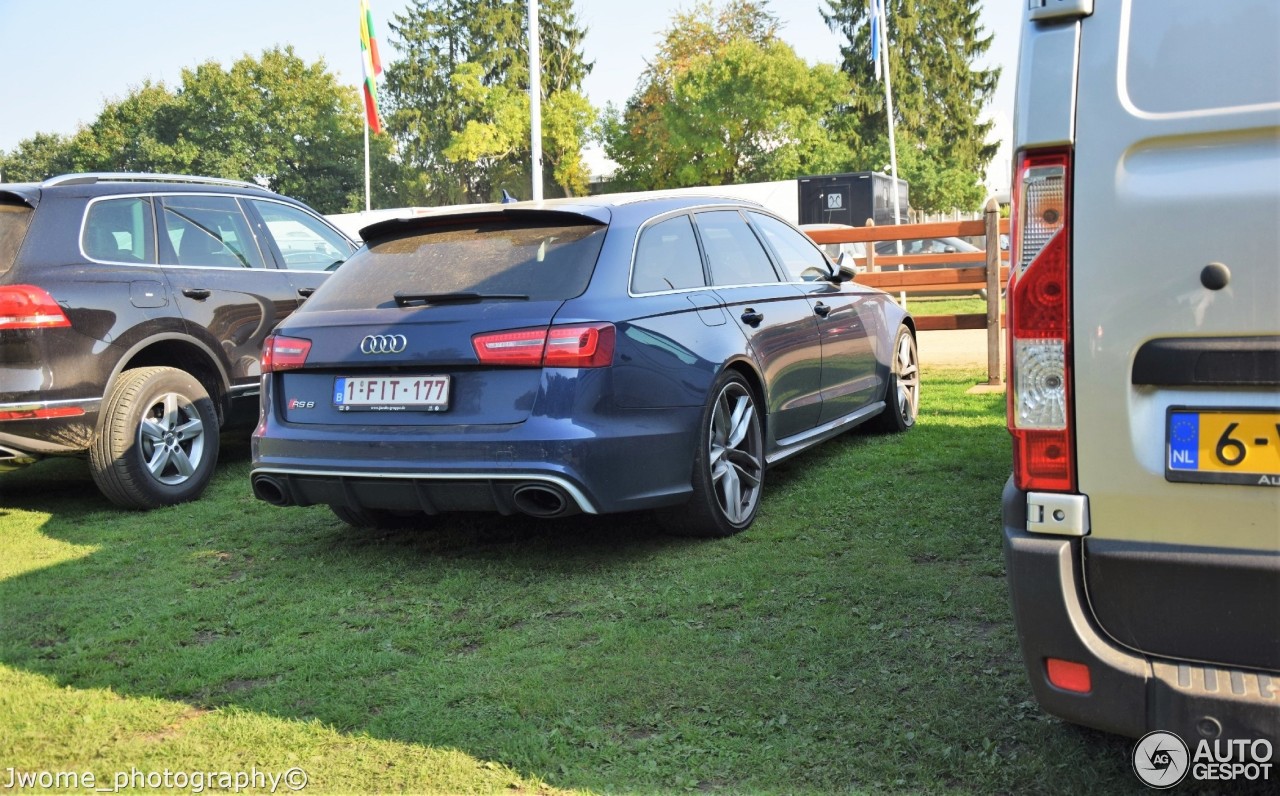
284 353
576 346
1039 398
29 307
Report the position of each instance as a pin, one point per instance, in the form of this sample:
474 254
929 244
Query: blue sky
66 58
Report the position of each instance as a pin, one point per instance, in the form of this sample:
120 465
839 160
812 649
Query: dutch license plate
1223 446
391 393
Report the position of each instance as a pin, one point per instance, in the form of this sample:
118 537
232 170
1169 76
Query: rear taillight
577 346
284 353
1039 402
29 307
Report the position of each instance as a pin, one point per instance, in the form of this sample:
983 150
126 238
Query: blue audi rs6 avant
591 355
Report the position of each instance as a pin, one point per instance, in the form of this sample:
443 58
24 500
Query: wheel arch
183 353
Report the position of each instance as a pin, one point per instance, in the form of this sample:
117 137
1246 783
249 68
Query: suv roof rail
89 178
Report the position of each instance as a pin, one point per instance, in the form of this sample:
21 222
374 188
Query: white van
1142 522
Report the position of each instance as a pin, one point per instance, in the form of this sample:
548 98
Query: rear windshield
14 220
539 261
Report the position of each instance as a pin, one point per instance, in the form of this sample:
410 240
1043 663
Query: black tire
382 519
728 466
157 439
902 389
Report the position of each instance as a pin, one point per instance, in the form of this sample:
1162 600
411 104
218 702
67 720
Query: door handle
822 309
197 293
752 318
306 292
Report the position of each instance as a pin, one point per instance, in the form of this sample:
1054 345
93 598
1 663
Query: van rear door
1176 315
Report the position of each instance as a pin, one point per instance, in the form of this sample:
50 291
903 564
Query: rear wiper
410 299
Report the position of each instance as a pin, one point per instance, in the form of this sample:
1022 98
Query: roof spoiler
395 226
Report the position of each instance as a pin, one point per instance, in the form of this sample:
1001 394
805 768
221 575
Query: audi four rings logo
383 344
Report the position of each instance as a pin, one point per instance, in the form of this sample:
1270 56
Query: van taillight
29 307
1039 398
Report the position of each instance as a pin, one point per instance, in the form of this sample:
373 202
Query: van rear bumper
1131 694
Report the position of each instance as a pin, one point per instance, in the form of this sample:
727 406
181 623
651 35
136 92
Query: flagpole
893 148
367 204
535 101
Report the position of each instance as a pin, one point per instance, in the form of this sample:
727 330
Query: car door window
120 231
208 231
733 251
800 257
667 258
305 243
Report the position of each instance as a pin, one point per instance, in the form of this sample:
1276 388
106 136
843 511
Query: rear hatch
392 333
1177 166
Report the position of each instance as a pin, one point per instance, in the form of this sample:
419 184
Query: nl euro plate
391 394
1223 446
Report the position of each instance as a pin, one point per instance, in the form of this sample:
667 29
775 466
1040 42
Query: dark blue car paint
623 437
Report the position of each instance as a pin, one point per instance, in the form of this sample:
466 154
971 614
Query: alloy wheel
735 452
171 438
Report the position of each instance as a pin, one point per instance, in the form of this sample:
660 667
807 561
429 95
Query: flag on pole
372 68
875 34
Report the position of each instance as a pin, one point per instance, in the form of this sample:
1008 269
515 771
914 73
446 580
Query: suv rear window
545 262
14 220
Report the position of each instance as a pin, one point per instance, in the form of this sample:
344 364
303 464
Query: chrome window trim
84 221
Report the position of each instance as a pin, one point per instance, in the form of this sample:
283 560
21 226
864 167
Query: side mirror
949 250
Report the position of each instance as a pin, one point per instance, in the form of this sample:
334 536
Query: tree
273 119
726 101
938 96
458 104
36 158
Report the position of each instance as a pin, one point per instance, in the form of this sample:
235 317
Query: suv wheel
157 439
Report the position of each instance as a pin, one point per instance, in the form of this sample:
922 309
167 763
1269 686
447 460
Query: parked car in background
133 309
585 355
1142 521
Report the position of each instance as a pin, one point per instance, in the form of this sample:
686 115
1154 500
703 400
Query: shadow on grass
857 637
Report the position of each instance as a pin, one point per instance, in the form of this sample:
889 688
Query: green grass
856 639
946 305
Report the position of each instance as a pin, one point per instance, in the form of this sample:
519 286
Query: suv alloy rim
171 438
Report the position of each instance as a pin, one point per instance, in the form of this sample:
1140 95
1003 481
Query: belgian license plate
391 394
1223 446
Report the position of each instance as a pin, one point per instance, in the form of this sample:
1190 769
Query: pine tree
457 98
938 96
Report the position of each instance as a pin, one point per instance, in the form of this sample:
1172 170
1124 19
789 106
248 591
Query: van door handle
752 318
197 293
822 309
306 292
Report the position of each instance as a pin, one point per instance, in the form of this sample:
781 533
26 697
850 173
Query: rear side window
667 258
120 231
733 251
208 231
14 220
541 261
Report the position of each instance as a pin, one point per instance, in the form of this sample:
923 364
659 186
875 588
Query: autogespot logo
1160 759
383 344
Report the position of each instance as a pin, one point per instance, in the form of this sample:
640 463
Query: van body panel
1174 231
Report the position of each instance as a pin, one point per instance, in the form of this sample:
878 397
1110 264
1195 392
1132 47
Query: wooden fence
990 271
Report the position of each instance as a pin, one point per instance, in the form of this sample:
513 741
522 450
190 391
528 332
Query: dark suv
133 308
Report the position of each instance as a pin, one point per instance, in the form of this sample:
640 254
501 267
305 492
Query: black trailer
850 198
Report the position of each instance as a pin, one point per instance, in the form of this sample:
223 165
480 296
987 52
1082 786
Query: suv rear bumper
1131 694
